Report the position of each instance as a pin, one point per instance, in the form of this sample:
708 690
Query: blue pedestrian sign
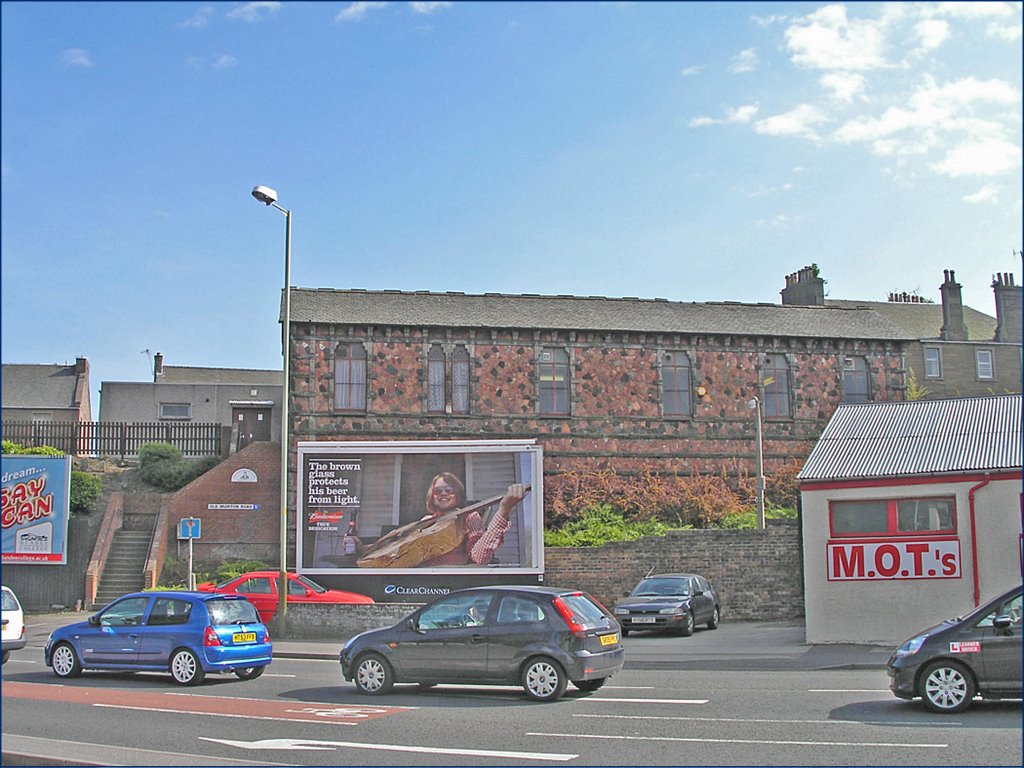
189 528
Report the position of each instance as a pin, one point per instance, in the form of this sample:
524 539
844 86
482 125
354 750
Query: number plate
609 639
644 619
243 637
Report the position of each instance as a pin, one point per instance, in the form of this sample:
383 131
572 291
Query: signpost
190 528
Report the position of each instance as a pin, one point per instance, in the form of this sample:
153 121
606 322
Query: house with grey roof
245 401
911 513
959 351
46 393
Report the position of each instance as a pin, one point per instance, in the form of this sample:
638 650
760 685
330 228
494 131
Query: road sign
189 528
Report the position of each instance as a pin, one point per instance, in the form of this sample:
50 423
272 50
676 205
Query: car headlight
912 646
621 611
674 610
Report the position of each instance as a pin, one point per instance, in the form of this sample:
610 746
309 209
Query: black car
539 637
670 602
975 654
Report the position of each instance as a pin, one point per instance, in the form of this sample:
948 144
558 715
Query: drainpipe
974 539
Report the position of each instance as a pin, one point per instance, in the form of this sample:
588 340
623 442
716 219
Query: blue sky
688 151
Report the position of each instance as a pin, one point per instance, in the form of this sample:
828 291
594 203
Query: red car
261 589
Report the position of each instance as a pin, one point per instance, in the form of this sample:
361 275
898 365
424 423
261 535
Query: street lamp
268 197
755 405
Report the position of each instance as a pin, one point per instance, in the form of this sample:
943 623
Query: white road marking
887 745
222 714
648 701
943 723
297 744
849 690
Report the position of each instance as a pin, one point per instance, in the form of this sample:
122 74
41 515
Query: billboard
420 507
36 505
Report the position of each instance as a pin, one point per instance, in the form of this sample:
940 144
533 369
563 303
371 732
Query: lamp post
268 197
754 404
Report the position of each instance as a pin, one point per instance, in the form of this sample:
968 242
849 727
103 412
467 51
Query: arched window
675 383
775 384
350 377
460 379
553 381
856 384
435 379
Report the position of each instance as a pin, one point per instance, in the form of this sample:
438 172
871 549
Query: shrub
154 452
85 490
162 466
599 525
231 568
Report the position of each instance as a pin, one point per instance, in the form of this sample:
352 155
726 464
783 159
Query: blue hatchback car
188 634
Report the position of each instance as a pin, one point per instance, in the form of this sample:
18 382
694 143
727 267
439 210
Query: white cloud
843 87
691 71
358 11
223 61
254 11
1007 32
428 8
200 18
982 158
742 114
932 33
828 39
796 122
983 195
744 61
698 122
75 57
971 10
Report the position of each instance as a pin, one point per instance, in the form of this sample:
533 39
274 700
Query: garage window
888 517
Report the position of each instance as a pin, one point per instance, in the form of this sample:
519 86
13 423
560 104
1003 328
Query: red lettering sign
884 559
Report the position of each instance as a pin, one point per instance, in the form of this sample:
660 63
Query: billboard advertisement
423 509
36 507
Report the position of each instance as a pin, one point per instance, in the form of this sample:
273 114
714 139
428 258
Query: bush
162 466
231 568
85 490
599 525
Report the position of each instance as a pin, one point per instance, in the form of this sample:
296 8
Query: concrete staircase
126 563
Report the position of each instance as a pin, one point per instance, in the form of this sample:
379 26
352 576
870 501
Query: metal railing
99 438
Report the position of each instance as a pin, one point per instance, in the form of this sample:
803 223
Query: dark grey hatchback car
539 637
978 653
670 602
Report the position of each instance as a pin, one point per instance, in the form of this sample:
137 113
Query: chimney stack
953 326
1008 308
804 288
158 365
81 366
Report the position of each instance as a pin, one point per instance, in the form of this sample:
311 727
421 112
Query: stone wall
759 576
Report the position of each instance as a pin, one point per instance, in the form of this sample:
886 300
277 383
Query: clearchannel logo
398 589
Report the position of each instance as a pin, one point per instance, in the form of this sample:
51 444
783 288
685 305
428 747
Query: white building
911 514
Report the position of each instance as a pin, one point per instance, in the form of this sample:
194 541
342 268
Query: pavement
754 646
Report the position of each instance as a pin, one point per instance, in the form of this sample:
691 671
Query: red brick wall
234 534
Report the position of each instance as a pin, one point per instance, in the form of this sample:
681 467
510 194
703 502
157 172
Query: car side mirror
1002 622
94 620
414 626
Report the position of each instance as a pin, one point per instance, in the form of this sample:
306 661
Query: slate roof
587 313
184 374
923 321
919 437
39 386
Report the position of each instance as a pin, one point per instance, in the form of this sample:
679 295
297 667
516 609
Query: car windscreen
10 604
231 612
311 584
662 588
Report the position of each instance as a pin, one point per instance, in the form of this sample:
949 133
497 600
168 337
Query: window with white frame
675 383
448 393
175 411
856 383
553 381
350 377
932 363
775 384
984 365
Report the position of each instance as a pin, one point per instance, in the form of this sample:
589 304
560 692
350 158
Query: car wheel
373 675
185 668
946 687
65 661
589 685
686 628
715 620
249 673
543 679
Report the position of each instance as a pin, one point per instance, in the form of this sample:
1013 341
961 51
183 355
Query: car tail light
570 618
210 637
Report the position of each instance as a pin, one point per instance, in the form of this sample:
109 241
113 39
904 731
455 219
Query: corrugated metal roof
921 437
587 313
